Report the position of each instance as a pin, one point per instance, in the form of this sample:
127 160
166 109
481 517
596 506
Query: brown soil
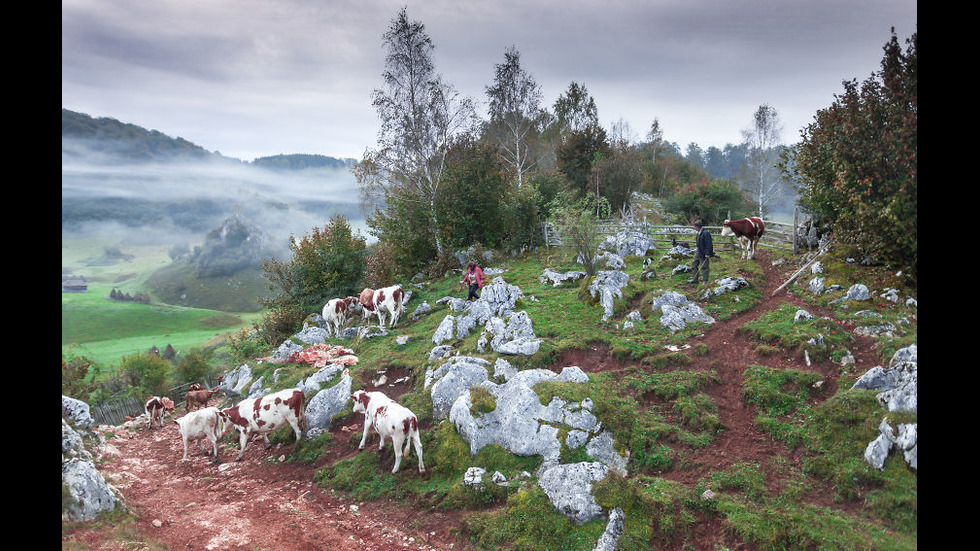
257 504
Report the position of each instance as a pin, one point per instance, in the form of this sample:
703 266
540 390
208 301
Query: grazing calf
391 420
748 231
156 406
201 424
389 302
337 311
264 415
198 398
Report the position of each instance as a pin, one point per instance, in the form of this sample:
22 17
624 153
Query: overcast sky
252 78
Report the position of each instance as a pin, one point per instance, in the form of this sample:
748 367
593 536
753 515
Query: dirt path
256 504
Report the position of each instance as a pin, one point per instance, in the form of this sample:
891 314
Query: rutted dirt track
257 504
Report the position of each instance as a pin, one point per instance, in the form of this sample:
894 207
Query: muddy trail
260 503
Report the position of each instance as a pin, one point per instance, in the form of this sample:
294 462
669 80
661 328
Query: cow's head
361 400
726 229
168 404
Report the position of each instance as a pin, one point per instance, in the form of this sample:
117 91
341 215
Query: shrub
145 373
325 264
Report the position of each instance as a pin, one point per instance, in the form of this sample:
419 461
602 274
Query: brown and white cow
747 230
337 311
200 424
156 406
391 420
266 414
387 303
198 398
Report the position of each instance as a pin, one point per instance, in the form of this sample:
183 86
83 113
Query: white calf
266 414
200 424
391 420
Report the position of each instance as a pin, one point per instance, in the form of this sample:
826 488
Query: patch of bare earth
257 504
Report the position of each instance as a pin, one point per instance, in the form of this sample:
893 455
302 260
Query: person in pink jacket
473 278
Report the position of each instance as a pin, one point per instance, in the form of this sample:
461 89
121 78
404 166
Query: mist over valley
219 218
123 182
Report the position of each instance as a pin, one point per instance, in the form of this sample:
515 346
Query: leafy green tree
146 374
578 222
575 110
620 174
856 165
192 367
476 193
577 154
326 263
420 117
709 200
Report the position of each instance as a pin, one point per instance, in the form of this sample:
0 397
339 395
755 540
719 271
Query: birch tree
762 140
420 117
514 111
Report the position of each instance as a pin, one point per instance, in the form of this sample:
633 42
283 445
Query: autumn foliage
856 166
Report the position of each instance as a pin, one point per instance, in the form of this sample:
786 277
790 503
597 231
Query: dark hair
698 224
472 264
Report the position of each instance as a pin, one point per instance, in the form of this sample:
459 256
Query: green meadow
105 330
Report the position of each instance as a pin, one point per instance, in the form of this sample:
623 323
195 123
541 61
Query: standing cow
388 302
156 407
200 424
337 311
266 414
391 420
748 231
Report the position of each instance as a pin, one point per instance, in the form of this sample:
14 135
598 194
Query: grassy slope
563 321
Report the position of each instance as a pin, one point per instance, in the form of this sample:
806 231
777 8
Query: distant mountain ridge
125 142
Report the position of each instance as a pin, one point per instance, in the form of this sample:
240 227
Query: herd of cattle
261 416
388 304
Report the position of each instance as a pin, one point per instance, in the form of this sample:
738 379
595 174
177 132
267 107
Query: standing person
705 250
473 278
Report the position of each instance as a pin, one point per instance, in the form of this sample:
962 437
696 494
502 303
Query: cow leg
215 460
299 433
398 450
367 427
185 450
242 441
418 449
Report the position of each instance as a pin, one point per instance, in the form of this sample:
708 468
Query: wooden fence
114 411
778 235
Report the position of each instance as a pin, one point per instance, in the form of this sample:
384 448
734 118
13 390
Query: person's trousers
705 266
473 289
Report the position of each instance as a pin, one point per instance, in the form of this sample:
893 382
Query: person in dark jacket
705 250
473 278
